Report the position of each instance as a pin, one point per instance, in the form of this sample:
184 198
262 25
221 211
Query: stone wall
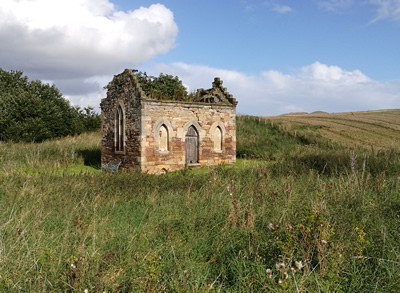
178 117
154 131
123 90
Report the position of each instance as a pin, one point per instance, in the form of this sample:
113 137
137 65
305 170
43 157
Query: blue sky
274 56
254 36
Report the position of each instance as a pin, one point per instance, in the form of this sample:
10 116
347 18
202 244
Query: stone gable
159 136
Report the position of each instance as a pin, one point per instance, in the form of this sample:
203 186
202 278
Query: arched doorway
192 146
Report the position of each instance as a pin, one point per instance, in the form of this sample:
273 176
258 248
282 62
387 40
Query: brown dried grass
378 129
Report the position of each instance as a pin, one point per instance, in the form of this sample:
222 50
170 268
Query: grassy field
302 211
377 129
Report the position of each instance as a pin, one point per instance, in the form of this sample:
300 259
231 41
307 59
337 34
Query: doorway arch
191 146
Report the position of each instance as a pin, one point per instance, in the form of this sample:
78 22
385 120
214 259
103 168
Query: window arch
163 138
217 139
162 132
217 132
119 140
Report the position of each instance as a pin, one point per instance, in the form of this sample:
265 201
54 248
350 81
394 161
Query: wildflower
280 266
293 270
86 291
298 264
73 266
280 281
324 242
269 272
271 226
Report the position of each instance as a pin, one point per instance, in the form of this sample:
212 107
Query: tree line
32 111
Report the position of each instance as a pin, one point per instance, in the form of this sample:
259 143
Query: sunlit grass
297 213
71 154
378 129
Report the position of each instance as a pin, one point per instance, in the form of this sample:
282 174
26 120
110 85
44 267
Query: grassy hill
378 129
304 210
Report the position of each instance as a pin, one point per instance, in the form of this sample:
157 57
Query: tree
164 87
88 119
32 111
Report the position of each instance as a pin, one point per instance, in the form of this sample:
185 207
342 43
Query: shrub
31 111
163 87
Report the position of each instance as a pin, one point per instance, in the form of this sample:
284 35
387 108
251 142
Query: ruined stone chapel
158 136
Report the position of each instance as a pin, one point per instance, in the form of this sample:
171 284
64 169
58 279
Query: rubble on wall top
215 95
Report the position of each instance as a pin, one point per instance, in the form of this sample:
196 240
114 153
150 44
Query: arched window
162 131
163 136
217 139
119 130
217 132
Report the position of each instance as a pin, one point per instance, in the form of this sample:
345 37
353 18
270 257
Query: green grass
65 226
263 139
71 155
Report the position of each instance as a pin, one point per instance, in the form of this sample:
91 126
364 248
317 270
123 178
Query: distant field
380 129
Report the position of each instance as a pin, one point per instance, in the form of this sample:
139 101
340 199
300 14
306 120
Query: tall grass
65 154
265 139
319 219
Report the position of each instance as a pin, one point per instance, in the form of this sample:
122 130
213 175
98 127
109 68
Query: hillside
379 129
298 213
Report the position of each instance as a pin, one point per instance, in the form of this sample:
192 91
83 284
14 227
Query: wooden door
192 146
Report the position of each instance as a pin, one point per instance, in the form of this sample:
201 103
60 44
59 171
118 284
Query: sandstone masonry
157 136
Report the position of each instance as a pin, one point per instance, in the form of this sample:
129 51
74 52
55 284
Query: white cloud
314 87
91 99
387 9
71 41
318 71
281 9
335 5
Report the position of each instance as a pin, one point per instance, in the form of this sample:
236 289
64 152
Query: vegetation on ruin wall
32 111
299 213
164 87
